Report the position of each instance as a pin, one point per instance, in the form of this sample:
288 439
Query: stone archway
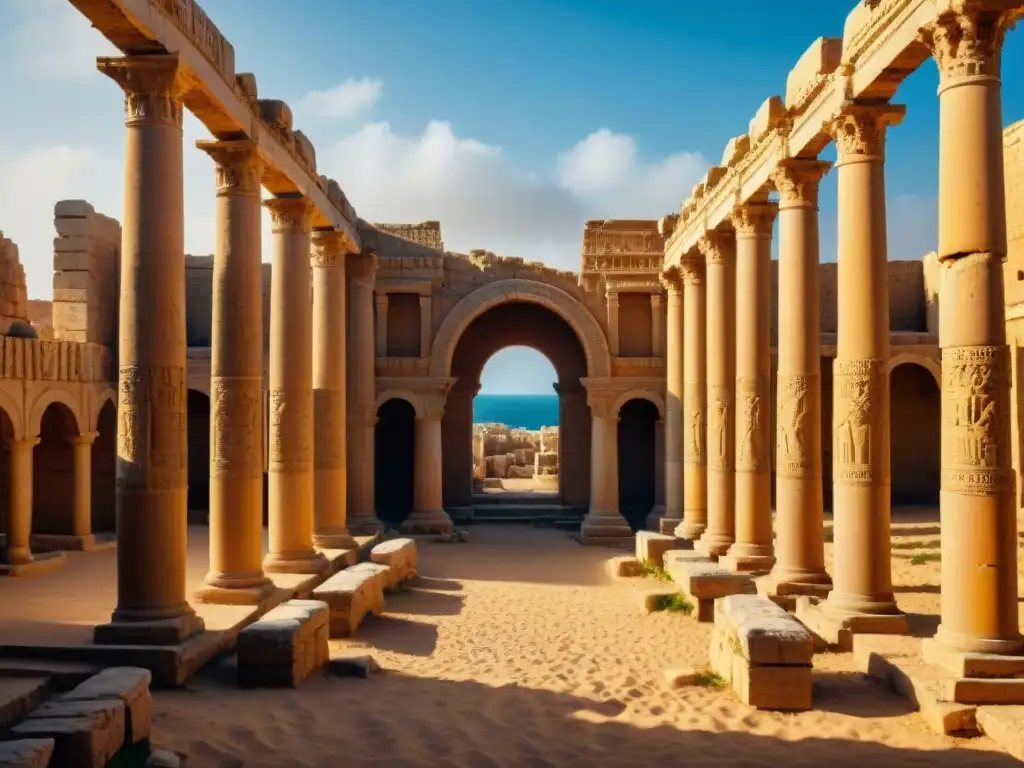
395 453
53 472
637 450
915 407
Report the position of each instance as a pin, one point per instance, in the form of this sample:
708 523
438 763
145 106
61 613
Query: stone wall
1013 272
13 297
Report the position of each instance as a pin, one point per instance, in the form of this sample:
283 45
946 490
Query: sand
517 650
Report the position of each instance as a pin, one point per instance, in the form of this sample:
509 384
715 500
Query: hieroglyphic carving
719 419
695 415
291 421
859 131
168 437
132 427
792 438
236 418
798 180
976 416
860 389
752 423
290 214
329 414
968 43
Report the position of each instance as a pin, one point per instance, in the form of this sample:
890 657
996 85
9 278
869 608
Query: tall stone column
862 573
979 527
362 396
19 515
330 492
381 337
428 514
800 543
694 410
236 382
719 250
753 550
290 486
604 521
674 407
613 322
81 460
152 445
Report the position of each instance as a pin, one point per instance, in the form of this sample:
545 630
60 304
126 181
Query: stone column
613 322
381 345
426 323
19 515
290 486
753 550
719 250
330 493
428 508
362 396
81 446
979 527
657 325
694 404
862 574
800 544
604 521
236 382
674 408
152 445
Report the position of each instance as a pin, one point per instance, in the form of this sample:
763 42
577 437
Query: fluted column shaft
236 382
362 409
19 514
979 526
290 486
674 407
719 250
799 517
694 411
604 520
152 445
81 521
330 430
862 573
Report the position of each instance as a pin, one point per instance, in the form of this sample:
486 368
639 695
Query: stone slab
973 665
130 685
1005 726
838 631
20 695
651 547
85 734
976 690
349 595
26 753
40 564
765 633
285 646
381 574
400 556
623 567
787 688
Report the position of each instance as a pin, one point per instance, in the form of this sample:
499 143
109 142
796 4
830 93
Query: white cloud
599 163
59 40
346 101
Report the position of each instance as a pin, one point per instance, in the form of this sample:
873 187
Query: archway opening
104 466
53 472
515 425
198 456
6 435
394 468
638 423
915 408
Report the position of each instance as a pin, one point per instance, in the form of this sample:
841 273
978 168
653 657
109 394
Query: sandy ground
517 650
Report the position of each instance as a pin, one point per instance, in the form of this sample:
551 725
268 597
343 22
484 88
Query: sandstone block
651 547
130 685
285 646
26 753
73 209
765 633
381 575
401 558
349 595
624 567
86 734
765 687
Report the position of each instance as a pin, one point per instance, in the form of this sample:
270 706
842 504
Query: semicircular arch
401 394
100 401
15 415
911 358
45 400
475 304
640 394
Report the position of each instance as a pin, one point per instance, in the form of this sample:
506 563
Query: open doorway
395 446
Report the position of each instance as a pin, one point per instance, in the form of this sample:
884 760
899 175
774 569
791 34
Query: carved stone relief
719 425
860 389
793 422
291 441
694 413
751 416
235 424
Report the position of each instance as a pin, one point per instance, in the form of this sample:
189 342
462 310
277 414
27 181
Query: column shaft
979 526
603 521
81 523
290 486
362 409
799 517
719 250
694 410
674 408
862 572
330 432
236 382
19 515
152 445
428 508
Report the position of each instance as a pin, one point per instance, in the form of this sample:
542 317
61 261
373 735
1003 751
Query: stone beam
150 26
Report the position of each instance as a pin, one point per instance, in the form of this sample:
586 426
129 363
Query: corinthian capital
238 166
153 84
967 39
692 270
671 280
859 130
797 181
363 268
717 245
754 219
290 214
328 248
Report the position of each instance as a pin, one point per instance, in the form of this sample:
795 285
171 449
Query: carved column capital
967 41
672 280
717 245
381 299
328 248
859 130
153 84
754 219
433 408
798 180
613 298
238 166
362 268
290 214
692 271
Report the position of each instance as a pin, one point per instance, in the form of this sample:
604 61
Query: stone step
19 696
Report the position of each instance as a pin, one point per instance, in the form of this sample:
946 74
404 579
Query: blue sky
511 121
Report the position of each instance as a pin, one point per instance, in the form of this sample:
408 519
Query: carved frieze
291 418
236 419
796 399
860 389
196 25
45 360
694 415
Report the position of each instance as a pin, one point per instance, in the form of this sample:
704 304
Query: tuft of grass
656 571
926 557
710 680
933 544
673 603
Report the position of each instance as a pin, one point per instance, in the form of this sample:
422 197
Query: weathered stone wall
1013 272
403 325
199 301
13 296
635 325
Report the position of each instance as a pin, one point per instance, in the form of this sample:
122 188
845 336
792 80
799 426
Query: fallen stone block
26 753
1005 726
86 734
130 685
703 581
285 646
381 575
651 547
349 595
401 558
353 666
624 567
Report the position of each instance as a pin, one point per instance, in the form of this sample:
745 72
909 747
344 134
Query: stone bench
763 652
703 581
651 547
381 575
91 723
26 753
284 646
350 594
400 556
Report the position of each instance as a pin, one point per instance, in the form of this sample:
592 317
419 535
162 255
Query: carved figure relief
793 422
132 407
751 393
168 442
719 427
695 417
235 424
291 418
859 387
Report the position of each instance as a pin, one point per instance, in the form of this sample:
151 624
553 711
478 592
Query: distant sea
523 411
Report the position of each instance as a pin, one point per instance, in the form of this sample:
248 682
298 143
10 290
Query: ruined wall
636 322
403 325
199 301
1013 272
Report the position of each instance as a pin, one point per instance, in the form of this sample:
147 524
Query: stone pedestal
694 411
719 251
290 485
19 531
152 446
799 519
236 382
330 305
428 510
674 407
753 550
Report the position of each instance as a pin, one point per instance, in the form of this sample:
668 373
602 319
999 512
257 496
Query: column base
50 542
169 631
837 627
337 540
689 531
712 546
605 528
437 521
45 562
219 589
785 592
667 525
746 560
365 526
962 645
309 561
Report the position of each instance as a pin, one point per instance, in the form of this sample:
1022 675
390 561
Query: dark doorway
104 464
198 457
53 472
394 448
638 420
915 409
